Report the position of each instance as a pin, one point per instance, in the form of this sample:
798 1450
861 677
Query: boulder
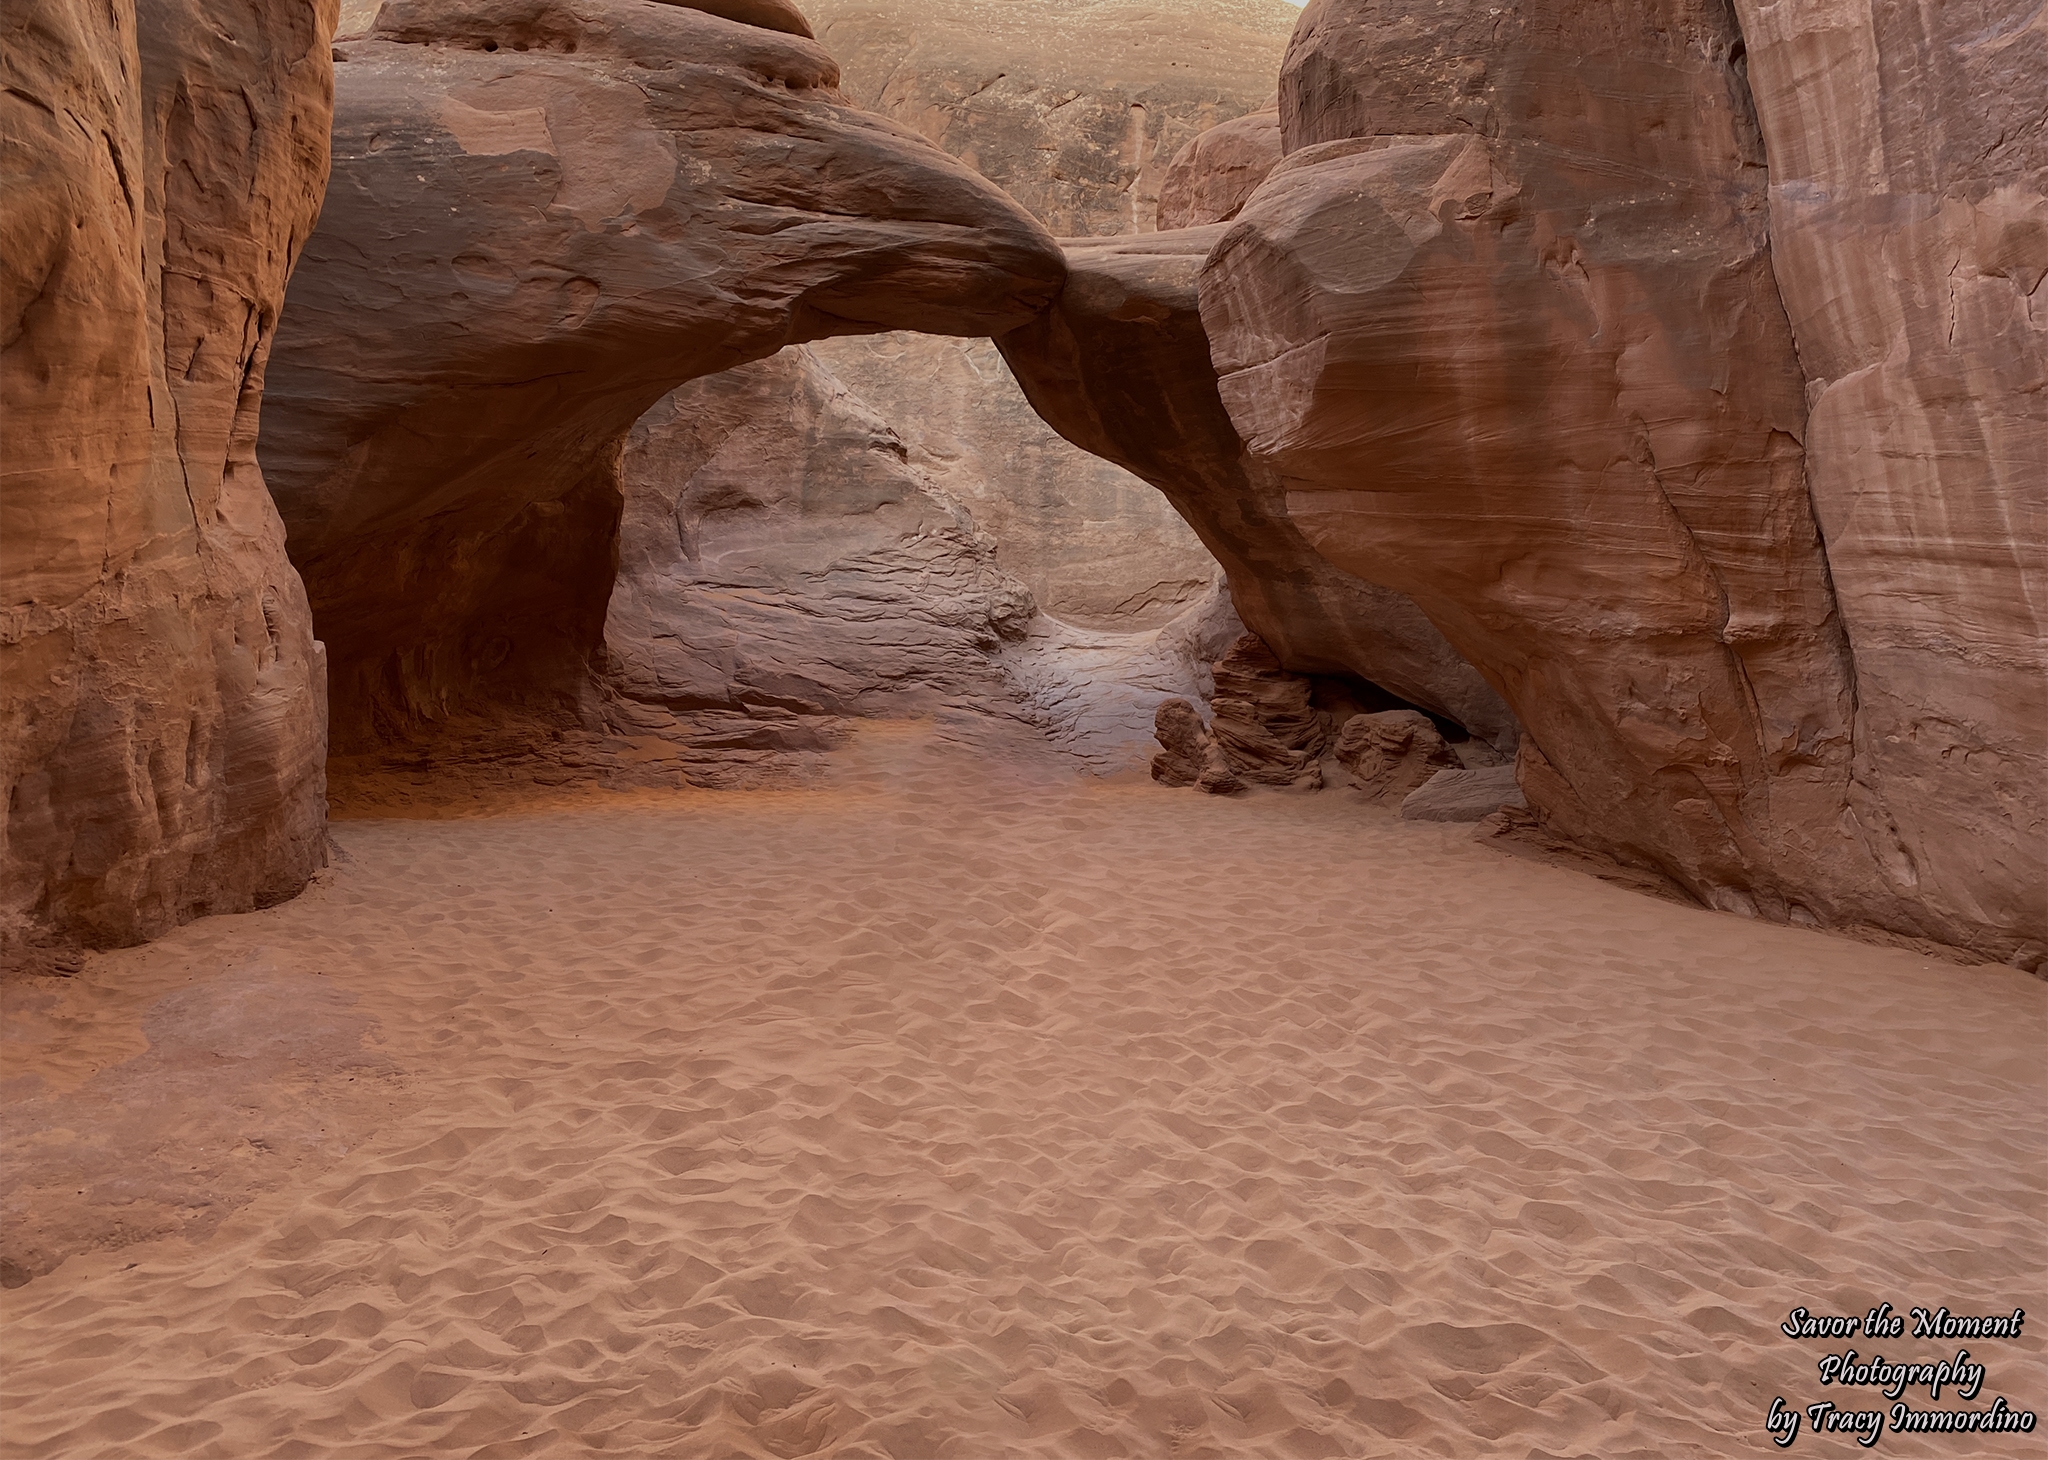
1392 752
1217 171
161 719
1189 754
544 217
1262 719
1464 795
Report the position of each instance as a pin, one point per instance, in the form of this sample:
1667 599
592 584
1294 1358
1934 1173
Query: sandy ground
970 1111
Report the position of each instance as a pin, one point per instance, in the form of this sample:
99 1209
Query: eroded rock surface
1216 173
1076 108
1120 366
1098 548
544 217
1464 795
1392 752
1188 753
161 725
1262 719
777 549
1909 224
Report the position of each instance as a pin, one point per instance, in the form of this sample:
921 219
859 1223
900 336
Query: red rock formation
1262 720
1392 752
1503 329
1121 366
1909 226
161 727
544 217
1215 173
1188 754
1502 333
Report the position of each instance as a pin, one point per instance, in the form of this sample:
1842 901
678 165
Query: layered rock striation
1908 157
161 720
1503 331
778 551
1120 365
1504 335
544 217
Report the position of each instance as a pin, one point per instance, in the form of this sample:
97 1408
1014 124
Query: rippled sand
967 1111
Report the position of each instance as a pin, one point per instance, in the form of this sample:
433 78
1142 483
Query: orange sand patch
963 1110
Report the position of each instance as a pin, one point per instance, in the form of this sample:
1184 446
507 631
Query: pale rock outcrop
1909 231
1216 172
1094 693
1077 107
1392 752
1098 548
161 724
544 217
777 549
1464 795
1121 367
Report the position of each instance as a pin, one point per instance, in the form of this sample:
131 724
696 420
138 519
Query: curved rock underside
1503 332
1075 108
543 218
1121 366
882 525
162 733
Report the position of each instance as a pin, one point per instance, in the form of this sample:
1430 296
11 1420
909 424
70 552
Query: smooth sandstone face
1121 366
543 218
1909 219
1503 332
1502 329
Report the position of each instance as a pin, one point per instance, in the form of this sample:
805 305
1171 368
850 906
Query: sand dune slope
977 1112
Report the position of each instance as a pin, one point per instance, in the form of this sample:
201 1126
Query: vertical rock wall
162 724
1908 150
1688 375
1502 327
